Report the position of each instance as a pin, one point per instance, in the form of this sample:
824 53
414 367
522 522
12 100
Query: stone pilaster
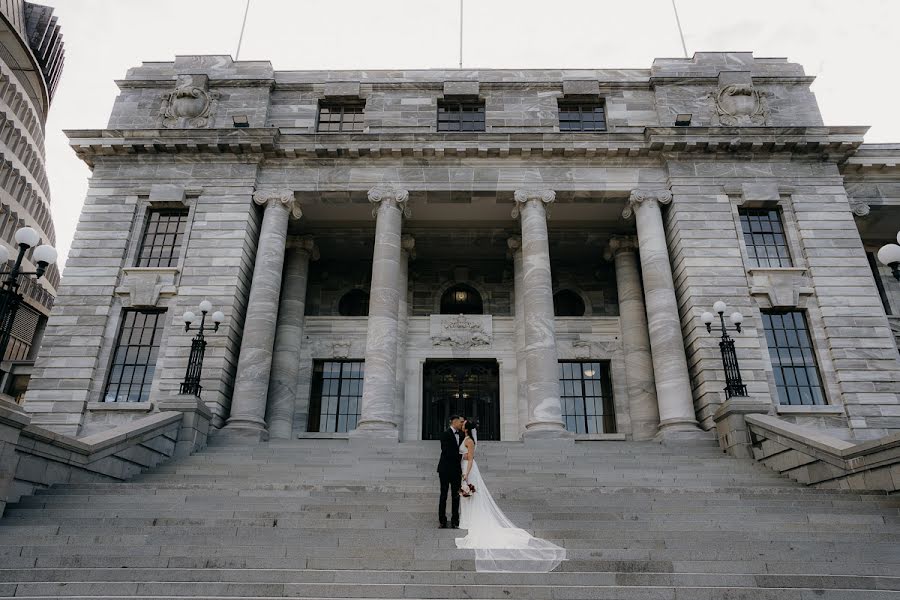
515 251
541 359
673 386
248 407
635 338
288 337
376 417
407 252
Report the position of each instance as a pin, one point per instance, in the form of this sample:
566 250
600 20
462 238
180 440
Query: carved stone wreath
190 104
740 104
461 332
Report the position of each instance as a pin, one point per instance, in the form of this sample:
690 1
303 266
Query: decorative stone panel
190 104
142 287
461 331
461 88
581 87
779 287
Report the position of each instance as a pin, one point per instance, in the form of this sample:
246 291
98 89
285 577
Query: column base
244 430
546 431
676 430
375 431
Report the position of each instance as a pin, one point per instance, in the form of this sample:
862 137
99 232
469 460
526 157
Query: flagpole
460 32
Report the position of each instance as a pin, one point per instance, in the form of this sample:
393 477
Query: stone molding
859 208
779 287
305 243
142 287
408 245
514 245
389 193
522 197
638 197
285 198
581 349
461 331
620 243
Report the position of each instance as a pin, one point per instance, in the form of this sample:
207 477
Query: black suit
450 473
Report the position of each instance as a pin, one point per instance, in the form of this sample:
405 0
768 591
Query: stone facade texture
755 140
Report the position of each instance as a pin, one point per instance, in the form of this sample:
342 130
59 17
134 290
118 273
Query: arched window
461 299
567 303
354 303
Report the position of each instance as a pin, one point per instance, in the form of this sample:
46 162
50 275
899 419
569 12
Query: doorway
470 388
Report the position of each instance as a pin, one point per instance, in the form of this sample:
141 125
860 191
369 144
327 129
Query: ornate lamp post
734 386
889 255
10 298
191 383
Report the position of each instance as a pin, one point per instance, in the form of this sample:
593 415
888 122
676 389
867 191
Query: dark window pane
586 392
134 357
766 245
163 235
583 116
336 393
460 116
336 117
794 363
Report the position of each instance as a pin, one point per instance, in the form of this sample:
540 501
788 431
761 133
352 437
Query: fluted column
407 252
639 381
288 337
376 417
541 359
673 386
248 404
514 244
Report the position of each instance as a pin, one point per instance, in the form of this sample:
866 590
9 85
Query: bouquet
467 489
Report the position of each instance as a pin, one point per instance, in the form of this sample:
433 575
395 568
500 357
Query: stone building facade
31 61
532 247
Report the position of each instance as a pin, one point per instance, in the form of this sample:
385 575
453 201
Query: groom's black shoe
454 526
443 526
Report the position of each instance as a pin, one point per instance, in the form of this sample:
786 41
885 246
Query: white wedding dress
500 546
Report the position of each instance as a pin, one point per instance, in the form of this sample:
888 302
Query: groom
450 471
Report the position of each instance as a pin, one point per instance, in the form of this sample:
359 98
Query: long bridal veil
499 545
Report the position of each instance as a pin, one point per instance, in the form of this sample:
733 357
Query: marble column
376 417
288 337
673 385
639 380
541 359
251 386
514 244
407 252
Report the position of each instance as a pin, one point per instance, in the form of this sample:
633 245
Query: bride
499 545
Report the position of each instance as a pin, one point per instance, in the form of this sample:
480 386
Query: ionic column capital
305 243
620 243
279 197
408 245
638 197
523 197
392 195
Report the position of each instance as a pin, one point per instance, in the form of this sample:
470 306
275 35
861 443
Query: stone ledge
120 406
805 409
599 437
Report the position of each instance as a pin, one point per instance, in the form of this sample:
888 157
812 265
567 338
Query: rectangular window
764 237
336 395
582 116
338 117
162 239
460 116
586 396
21 336
134 357
793 358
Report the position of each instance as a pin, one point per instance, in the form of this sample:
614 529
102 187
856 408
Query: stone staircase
330 519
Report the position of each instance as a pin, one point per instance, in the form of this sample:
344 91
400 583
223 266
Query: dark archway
567 303
354 303
461 299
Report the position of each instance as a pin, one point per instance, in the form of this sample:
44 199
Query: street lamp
191 383
10 298
889 255
734 386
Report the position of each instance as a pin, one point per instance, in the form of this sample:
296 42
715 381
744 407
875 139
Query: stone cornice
831 143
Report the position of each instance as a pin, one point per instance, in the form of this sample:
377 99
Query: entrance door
470 388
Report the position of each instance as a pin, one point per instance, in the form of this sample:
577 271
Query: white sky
851 47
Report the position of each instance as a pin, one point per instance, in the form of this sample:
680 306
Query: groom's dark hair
455 417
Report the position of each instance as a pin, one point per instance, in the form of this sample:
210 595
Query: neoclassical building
31 61
533 248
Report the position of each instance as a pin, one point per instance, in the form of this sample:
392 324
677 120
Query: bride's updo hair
470 426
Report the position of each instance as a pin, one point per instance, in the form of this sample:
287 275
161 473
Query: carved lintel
461 331
341 349
523 197
779 287
391 194
281 197
859 208
142 287
638 197
582 349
